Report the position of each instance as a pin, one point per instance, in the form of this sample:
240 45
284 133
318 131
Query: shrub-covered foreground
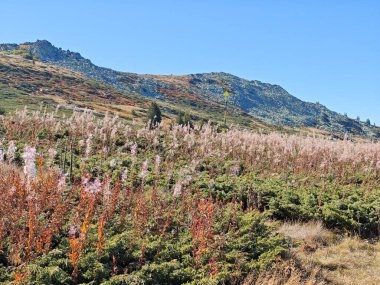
88 200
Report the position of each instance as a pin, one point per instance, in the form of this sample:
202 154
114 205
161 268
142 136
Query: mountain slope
269 103
24 82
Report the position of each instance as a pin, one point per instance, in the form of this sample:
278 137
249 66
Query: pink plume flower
177 191
144 170
29 157
134 150
72 231
11 152
124 175
91 187
157 162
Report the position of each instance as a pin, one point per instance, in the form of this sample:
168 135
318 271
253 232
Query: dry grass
310 232
347 261
351 261
324 258
289 274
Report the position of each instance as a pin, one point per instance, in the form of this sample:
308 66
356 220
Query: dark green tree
154 115
29 56
184 119
179 120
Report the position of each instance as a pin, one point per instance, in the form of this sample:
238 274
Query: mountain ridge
268 102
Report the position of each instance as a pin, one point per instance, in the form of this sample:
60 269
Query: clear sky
325 50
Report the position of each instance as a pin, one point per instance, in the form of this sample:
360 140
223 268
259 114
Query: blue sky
325 50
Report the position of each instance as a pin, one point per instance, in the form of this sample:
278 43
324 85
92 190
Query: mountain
26 81
267 102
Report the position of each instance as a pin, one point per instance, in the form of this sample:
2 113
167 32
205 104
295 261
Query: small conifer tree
154 115
184 119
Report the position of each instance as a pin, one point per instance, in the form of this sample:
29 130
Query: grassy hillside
24 82
27 82
204 93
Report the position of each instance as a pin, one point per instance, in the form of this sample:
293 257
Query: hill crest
267 102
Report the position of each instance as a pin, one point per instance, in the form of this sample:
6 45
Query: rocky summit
267 102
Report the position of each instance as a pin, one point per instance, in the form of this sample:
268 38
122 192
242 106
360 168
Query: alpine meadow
110 177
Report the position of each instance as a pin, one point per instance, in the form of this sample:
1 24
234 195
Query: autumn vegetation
95 200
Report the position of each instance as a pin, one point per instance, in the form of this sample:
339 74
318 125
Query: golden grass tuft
321 257
310 232
351 261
